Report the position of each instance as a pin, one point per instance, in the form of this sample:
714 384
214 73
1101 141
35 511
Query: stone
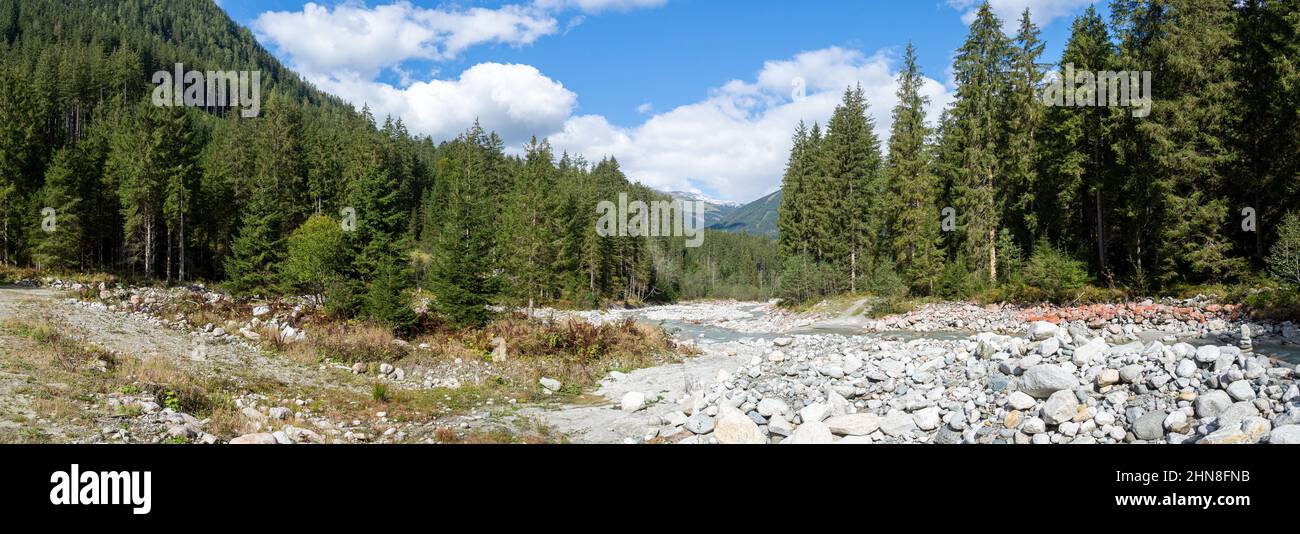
1226 436
1049 347
1150 426
280 413
814 412
1090 352
1040 381
857 424
1176 421
1034 425
1019 400
1041 330
633 401
700 423
261 438
1185 369
1237 413
259 311
1107 377
499 350
1060 407
779 425
782 341
1130 373
772 406
897 424
1257 428
358 368
927 419
1241 391
550 384
811 433
1285 435
735 428
1207 353
1012 419
1211 403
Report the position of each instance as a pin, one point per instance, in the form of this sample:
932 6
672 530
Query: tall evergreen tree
913 188
980 70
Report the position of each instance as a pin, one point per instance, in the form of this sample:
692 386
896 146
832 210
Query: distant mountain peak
687 195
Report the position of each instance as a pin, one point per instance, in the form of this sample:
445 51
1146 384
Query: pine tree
980 70
852 152
462 272
913 188
1076 189
57 246
790 217
1180 146
1024 116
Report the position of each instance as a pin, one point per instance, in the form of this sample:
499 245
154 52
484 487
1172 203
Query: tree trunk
1101 240
993 255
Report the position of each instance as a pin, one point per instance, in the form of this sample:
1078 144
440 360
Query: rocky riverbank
1052 385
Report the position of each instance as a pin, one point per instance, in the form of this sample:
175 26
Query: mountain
757 217
714 210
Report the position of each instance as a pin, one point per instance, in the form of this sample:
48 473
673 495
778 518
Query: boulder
1040 381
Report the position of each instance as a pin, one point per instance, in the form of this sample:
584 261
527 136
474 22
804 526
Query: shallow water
707 332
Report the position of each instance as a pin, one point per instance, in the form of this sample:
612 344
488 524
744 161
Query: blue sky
688 94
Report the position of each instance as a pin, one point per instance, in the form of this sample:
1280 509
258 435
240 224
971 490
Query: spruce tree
1024 116
852 153
980 70
913 188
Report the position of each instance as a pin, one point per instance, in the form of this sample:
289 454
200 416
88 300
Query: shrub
315 256
387 301
1054 273
1284 256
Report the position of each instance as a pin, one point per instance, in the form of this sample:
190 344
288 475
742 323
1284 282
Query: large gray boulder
1040 381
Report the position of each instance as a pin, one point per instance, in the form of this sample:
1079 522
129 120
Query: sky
690 95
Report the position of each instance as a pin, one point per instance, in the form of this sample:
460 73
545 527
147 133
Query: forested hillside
1055 197
310 197
758 217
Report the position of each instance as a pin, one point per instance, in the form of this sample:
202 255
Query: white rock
927 419
633 401
1060 407
857 424
811 433
733 427
1019 400
814 412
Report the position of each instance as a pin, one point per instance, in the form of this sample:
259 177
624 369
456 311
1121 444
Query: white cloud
365 40
735 143
1040 11
514 100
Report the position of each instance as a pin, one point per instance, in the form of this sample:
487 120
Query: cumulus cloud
735 143
365 40
1040 11
516 101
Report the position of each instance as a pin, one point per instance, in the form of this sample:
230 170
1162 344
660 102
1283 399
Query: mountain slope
714 210
757 217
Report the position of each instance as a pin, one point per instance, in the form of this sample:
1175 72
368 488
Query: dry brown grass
359 342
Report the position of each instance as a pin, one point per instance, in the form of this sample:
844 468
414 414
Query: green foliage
315 256
388 301
1054 273
379 392
1284 257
